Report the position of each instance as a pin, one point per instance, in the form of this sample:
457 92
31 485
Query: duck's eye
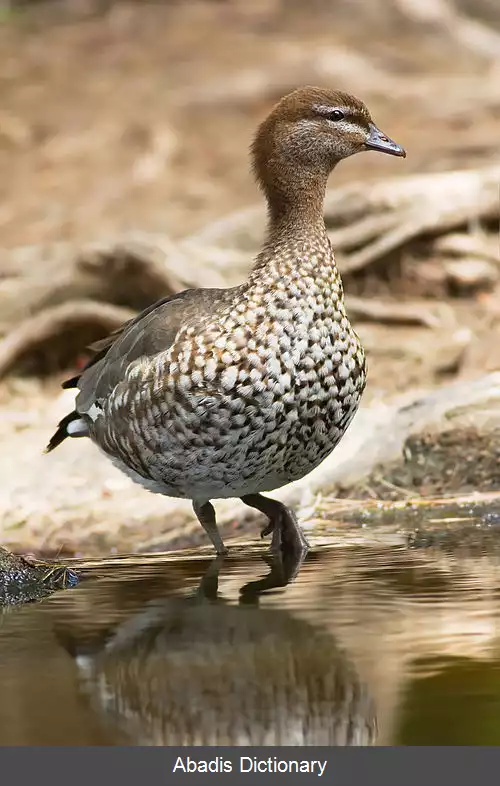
336 114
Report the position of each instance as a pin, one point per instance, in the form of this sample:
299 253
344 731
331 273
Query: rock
444 441
22 581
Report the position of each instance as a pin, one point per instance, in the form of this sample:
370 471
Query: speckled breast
247 402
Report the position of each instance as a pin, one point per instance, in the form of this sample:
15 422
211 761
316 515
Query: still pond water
386 640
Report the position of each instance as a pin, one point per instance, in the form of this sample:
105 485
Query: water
385 640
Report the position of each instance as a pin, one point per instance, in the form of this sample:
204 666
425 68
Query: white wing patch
77 428
93 412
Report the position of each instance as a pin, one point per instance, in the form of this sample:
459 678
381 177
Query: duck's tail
73 425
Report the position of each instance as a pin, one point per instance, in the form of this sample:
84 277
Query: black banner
396 766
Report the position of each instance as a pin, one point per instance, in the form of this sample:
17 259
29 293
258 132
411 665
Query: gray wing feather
152 331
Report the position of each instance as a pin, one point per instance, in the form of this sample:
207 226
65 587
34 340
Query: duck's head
310 130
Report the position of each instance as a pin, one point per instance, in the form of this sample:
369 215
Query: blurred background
124 175
120 115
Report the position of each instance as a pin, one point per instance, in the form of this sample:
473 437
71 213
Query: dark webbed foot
284 568
287 534
206 516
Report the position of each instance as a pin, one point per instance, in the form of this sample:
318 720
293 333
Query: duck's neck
295 219
300 209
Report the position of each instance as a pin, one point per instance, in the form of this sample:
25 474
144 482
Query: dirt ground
128 117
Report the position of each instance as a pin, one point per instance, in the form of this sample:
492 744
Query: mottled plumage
220 393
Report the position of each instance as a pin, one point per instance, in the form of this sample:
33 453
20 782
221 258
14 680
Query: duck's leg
285 566
208 587
287 534
206 516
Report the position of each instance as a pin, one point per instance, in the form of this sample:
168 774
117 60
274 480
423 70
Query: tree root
54 301
409 313
131 271
429 227
54 336
367 224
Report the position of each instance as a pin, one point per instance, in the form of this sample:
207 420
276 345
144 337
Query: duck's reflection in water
198 671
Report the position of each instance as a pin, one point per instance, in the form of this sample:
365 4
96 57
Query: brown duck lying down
217 393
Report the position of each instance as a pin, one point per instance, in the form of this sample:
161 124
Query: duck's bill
379 141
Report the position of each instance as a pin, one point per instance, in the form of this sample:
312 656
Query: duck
217 393
197 670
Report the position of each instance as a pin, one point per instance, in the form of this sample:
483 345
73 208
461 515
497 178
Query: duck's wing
150 332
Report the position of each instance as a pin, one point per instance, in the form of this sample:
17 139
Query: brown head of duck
301 141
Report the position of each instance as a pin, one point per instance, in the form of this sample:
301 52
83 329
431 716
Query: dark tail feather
61 432
71 383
